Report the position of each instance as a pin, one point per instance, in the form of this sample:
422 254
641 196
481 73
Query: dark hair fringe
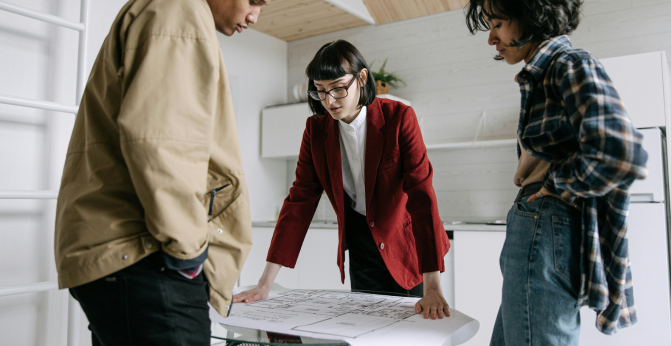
334 60
539 20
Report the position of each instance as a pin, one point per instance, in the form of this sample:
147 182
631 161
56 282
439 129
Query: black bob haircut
538 20
334 60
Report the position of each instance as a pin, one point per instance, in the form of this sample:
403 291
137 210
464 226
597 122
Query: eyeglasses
336 93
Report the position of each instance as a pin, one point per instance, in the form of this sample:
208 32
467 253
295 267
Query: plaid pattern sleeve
610 155
572 117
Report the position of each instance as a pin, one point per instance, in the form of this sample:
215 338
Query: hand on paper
257 293
260 292
433 304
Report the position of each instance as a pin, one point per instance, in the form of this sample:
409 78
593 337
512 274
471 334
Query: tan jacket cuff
184 256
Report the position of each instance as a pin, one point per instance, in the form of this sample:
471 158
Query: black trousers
367 269
146 304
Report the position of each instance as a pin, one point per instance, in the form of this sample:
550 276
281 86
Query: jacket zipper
212 194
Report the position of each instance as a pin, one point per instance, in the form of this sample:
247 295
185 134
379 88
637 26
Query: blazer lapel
333 161
375 140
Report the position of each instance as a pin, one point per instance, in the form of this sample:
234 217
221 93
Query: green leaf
390 78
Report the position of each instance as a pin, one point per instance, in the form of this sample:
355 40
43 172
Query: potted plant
384 79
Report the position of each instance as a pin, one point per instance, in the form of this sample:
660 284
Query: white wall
451 78
256 65
39 61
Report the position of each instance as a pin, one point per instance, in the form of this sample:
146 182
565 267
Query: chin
512 61
224 30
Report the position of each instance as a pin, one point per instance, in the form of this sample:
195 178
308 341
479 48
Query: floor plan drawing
341 313
358 318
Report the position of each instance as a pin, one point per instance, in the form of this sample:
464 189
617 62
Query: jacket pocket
219 199
231 228
228 222
528 209
393 162
230 208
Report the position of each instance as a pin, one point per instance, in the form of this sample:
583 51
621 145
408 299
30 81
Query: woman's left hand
540 194
433 304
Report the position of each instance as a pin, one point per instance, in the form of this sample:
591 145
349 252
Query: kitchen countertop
317 224
448 226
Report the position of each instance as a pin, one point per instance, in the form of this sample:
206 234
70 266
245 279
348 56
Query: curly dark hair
538 20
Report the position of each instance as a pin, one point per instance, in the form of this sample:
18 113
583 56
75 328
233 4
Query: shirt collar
537 66
357 122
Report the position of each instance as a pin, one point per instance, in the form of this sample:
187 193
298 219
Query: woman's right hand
260 292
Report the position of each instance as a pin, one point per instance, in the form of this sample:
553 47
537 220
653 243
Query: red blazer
401 206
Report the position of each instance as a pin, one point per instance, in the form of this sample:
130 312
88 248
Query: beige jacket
154 134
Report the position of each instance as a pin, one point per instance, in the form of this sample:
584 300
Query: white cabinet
256 261
282 128
316 267
317 264
642 82
652 187
478 280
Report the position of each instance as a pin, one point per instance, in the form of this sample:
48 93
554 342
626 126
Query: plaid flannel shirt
572 116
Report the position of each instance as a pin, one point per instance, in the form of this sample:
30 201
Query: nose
254 16
329 99
492 40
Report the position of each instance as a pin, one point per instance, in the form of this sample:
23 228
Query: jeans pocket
528 209
567 237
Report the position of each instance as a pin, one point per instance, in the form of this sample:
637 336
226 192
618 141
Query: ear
363 75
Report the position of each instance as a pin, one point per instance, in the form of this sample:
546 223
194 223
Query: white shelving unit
394 98
81 27
475 143
282 128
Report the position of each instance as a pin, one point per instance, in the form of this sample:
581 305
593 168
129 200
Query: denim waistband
529 190
535 187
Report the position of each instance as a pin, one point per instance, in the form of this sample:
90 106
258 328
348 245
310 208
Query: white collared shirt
352 154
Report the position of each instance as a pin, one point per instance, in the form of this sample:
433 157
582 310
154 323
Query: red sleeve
430 237
298 208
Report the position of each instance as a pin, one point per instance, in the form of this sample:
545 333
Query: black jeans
367 269
146 304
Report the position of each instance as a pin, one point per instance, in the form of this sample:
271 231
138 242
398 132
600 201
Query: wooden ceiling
291 20
389 11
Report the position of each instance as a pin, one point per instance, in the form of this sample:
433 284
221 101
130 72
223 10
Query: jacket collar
375 140
540 62
333 160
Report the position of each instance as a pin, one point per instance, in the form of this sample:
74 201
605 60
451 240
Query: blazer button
381 246
372 224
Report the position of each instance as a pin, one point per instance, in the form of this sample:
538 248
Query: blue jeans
540 263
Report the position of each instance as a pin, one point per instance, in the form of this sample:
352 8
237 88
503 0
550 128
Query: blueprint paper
357 318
